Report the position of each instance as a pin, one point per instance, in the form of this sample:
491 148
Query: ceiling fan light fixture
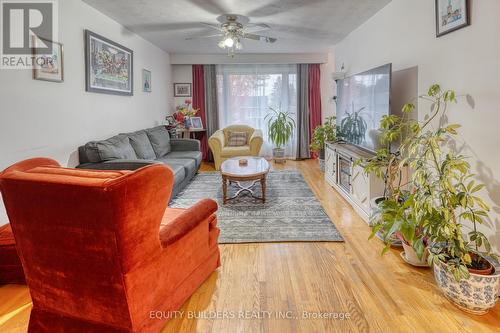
229 42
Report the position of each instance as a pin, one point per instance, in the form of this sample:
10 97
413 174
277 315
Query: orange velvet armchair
100 249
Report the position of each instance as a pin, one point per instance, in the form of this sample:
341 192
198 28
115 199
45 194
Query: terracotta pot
476 295
486 271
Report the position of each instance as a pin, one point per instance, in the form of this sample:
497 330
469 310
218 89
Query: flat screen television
362 100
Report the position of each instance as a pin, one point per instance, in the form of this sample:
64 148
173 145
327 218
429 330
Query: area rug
291 212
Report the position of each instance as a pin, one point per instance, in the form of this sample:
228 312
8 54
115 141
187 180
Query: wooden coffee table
255 171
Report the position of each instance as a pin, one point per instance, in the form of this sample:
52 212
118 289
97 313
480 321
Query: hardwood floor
350 279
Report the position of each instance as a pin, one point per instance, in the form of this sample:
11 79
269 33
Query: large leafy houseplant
385 163
393 217
445 197
280 130
324 133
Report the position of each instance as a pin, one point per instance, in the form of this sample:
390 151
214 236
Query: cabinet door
360 188
330 167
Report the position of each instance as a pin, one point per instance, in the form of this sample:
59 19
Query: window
246 92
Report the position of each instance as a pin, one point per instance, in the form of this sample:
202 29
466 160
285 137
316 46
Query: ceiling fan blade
213 26
256 27
204 36
260 38
212 6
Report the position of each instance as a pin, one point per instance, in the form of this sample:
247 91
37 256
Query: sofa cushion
179 172
115 148
91 152
142 146
189 164
237 139
160 140
235 151
194 155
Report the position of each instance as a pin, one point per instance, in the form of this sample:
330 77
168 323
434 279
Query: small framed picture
170 120
146 80
451 15
196 123
50 67
182 89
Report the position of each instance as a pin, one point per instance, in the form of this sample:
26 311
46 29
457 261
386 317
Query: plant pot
279 155
411 256
476 295
485 271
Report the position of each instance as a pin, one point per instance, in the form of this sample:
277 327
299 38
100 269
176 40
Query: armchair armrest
217 139
187 221
256 141
185 145
118 164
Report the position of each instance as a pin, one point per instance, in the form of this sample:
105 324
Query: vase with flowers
184 112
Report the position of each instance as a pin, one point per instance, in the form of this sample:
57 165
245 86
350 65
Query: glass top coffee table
255 171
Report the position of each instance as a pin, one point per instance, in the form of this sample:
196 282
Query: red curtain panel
199 103
314 76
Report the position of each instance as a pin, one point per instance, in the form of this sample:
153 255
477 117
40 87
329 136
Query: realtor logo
25 26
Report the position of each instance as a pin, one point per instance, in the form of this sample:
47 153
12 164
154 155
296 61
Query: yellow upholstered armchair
221 149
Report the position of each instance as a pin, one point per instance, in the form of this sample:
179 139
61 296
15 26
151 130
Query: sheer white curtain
246 92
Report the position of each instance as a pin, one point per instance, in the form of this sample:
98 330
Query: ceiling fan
232 29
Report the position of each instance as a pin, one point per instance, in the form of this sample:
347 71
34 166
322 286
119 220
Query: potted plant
324 133
399 220
446 201
280 126
385 165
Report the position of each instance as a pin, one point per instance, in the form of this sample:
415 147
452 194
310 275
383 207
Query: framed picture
146 80
182 89
52 66
108 66
170 120
451 15
196 123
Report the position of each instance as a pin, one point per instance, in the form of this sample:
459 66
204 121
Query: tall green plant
446 196
385 164
281 126
326 132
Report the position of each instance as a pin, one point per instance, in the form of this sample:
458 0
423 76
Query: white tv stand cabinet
358 188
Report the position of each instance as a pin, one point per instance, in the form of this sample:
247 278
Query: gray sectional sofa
130 151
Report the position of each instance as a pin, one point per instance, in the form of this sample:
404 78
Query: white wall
328 87
467 60
182 74
39 118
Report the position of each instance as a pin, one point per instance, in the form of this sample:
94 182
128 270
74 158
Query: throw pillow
237 139
160 140
141 144
117 147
